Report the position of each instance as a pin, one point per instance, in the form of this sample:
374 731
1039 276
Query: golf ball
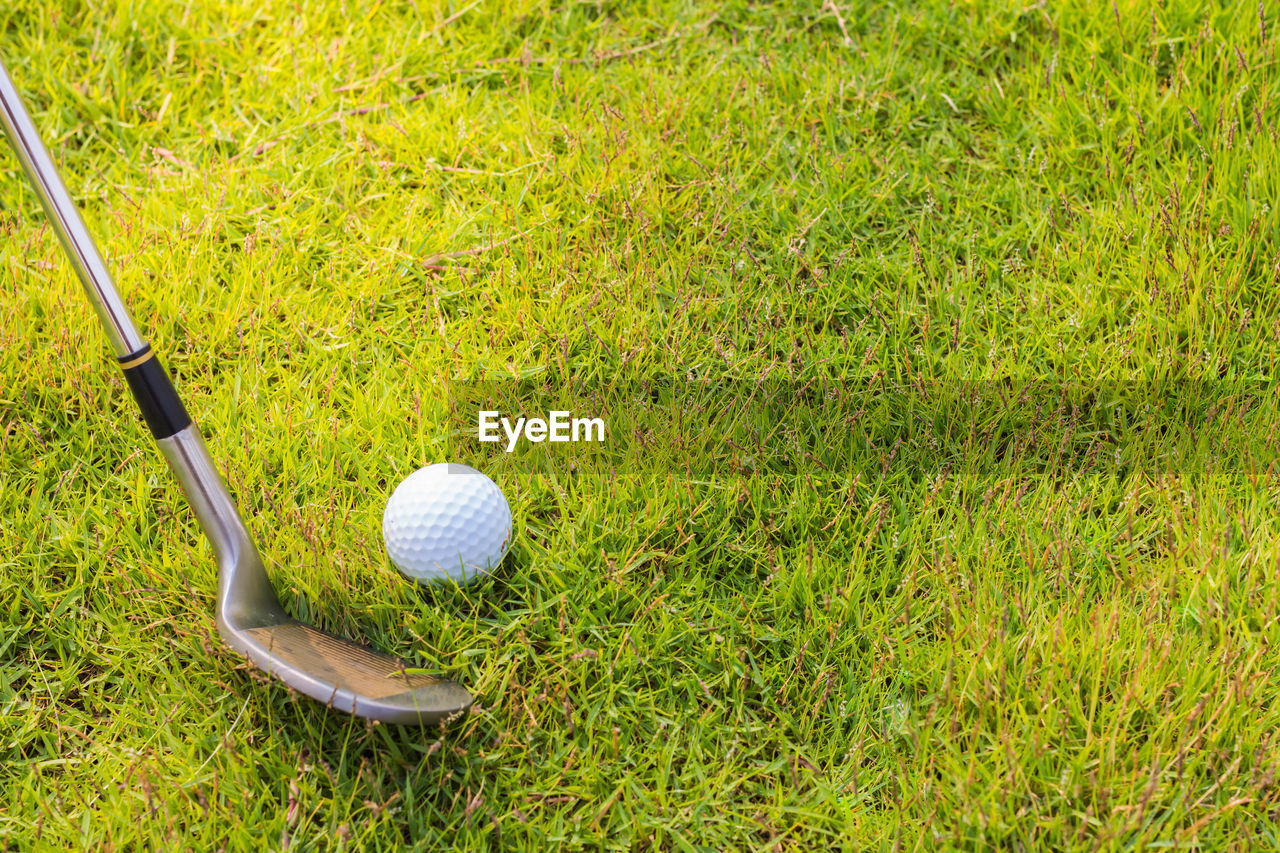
446 521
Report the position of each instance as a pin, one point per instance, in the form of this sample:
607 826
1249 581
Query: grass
936 341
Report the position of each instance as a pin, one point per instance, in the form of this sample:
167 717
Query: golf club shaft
66 220
160 405
178 438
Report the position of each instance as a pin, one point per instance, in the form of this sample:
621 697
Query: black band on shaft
161 408
136 357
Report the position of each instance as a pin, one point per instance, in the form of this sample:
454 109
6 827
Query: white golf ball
447 521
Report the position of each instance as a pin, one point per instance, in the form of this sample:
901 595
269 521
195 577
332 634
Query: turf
936 342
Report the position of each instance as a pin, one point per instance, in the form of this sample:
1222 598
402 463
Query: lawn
936 343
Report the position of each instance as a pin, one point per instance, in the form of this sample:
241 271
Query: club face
348 676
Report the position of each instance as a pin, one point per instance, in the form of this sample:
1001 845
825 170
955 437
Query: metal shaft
66 221
240 570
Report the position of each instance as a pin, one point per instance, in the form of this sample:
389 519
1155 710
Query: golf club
340 673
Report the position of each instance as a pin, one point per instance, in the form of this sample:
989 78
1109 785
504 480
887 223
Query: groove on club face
348 665
347 676
352 677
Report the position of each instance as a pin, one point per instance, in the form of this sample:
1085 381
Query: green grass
937 342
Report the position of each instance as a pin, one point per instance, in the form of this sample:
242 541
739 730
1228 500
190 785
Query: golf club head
346 675
332 670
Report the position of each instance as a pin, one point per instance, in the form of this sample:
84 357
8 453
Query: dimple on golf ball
447 521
